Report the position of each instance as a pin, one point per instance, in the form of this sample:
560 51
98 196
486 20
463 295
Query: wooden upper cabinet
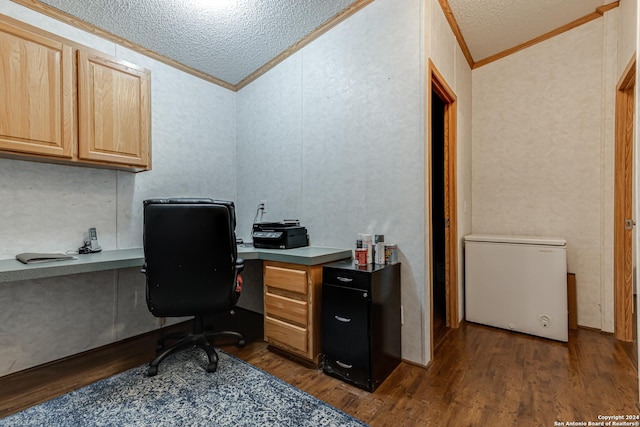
61 102
36 93
114 116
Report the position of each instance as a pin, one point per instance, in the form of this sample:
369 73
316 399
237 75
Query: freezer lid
516 240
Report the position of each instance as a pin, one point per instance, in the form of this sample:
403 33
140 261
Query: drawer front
344 277
286 278
358 375
286 308
278 332
345 324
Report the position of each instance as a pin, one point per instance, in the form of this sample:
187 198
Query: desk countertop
13 270
308 255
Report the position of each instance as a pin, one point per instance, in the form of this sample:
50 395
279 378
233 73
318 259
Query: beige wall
348 113
543 152
333 136
47 208
628 13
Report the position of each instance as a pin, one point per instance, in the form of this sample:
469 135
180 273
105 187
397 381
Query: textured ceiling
227 39
493 26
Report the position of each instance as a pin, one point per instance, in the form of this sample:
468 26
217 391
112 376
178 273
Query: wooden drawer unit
292 308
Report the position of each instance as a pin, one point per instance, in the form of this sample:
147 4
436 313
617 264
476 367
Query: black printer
279 235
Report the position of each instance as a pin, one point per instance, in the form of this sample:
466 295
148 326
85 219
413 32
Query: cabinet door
114 111
36 93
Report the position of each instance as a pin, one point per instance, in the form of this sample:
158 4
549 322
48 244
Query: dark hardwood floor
480 376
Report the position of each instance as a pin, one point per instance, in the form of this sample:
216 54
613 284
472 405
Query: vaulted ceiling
231 42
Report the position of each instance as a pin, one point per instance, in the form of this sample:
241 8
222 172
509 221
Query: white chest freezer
517 283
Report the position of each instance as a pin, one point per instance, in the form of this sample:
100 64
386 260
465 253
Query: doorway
443 237
624 223
439 325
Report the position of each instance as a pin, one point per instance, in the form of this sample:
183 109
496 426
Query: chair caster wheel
152 371
241 343
212 367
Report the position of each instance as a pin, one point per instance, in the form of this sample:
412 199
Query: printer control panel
267 234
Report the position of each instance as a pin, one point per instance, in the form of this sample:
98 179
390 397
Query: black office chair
191 265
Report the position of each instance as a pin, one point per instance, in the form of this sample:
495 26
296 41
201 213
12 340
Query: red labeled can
361 256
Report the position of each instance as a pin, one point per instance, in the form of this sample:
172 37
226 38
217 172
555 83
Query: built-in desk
292 281
12 270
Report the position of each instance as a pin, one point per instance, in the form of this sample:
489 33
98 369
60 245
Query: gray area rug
184 394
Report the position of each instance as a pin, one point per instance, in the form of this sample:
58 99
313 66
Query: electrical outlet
264 206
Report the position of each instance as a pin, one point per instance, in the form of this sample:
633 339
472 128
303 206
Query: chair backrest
190 256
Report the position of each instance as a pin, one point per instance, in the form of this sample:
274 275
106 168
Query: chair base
197 338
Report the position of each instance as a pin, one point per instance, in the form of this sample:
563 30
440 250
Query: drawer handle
344 365
344 279
342 319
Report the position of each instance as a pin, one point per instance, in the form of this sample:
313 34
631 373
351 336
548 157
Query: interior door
624 222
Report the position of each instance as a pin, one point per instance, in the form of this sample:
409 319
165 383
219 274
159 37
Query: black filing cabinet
361 322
